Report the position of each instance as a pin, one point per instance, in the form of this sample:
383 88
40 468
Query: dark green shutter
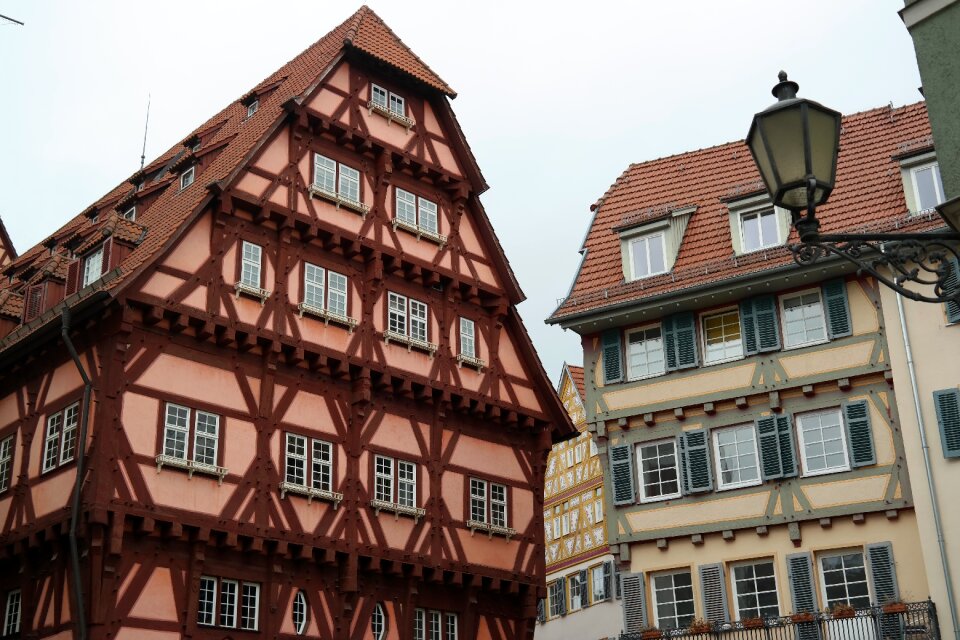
563 596
541 611
859 433
584 589
768 441
947 402
697 458
748 328
800 576
951 285
883 573
621 470
682 468
680 341
837 308
612 360
616 581
607 576
634 602
788 451
713 588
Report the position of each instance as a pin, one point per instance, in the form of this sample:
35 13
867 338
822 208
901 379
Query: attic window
252 107
186 178
651 248
758 230
755 224
922 186
130 214
389 105
92 266
647 256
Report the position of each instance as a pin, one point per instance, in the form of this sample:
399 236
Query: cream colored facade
935 347
575 534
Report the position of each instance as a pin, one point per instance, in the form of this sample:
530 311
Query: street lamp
794 143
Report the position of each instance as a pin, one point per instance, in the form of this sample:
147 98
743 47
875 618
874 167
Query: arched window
378 622
300 612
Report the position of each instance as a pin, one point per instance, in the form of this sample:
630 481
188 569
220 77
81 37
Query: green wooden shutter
837 308
682 466
883 572
748 328
947 402
669 345
616 580
765 317
612 360
584 589
859 433
951 285
634 605
713 588
788 450
607 577
563 596
697 461
685 328
768 441
621 470
800 576
541 611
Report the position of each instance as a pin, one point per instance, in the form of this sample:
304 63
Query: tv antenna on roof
143 152
9 19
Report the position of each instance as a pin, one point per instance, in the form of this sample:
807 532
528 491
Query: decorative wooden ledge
192 467
390 115
490 529
340 201
327 316
252 291
398 509
412 343
310 493
420 231
470 361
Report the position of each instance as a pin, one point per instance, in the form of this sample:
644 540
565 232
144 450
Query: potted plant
698 625
752 623
802 616
841 611
651 633
895 606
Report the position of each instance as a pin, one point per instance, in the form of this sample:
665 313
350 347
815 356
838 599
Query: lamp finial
785 89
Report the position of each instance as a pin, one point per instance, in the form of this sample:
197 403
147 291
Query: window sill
420 232
311 493
723 360
805 344
340 201
412 343
731 487
192 467
825 472
398 509
490 529
327 316
391 116
253 292
470 361
634 278
676 496
646 376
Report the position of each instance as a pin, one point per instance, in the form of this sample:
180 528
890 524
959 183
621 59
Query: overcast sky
556 98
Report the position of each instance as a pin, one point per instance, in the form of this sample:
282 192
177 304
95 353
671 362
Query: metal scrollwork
928 262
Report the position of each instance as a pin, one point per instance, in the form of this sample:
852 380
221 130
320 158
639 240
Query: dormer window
130 214
252 107
759 230
927 186
647 256
186 178
92 266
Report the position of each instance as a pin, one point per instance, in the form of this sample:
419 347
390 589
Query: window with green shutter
837 307
883 573
758 317
713 589
634 602
621 470
778 457
951 285
612 359
680 341
696 456
859 433
802 594
947 403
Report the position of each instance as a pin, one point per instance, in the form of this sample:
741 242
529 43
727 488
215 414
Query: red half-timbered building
275 383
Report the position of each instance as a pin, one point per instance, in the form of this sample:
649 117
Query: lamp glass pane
783 130
823 144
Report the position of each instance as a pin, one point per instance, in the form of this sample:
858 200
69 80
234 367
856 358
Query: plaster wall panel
446 158
196 298
161 285
392 133
846 492
239 444
827 360
325 102
66 381
276 156
140 418
710 381
866 319
316 331
193 248
253 184
495 552
396 531
155 601
192 379
52 492
396 433
280 196
9 409
311 411
175 488
487 458
136 633
453 489
684 515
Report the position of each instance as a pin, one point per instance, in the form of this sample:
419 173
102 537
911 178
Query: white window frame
208 419
396 98
715 436
419 624
422 208
343 176
91 275
207 611
300 612
783 319
60 438
172 431
630 356
227 612
252 107
451 626
801 442
836 554
412 312
592 572
555 602
759 212
401 479
385 103
308 461
647 237
493 508
654 592
703 337
571 579
6 463
187 177
328 294
378 618
435 626
255 264
468 337
753 563
937 184
676 460
130 214
13 613
248 622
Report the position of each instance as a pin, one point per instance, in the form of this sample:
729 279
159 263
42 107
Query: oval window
300 612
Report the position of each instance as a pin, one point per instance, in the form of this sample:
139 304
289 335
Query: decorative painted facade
582 595
276 381
744 407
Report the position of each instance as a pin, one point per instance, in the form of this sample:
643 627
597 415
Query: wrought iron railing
906 621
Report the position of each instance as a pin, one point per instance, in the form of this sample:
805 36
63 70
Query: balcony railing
906 621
